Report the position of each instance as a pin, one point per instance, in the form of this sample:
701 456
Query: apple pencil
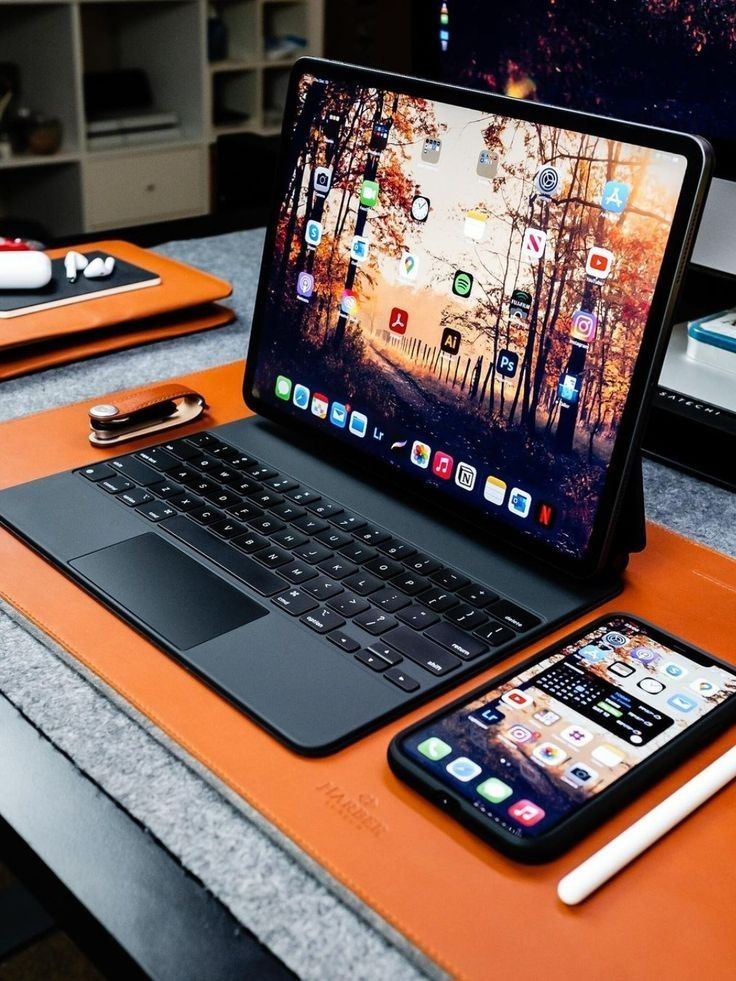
616 855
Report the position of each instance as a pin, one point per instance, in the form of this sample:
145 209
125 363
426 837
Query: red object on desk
14 245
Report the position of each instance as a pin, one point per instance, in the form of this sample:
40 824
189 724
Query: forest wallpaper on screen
471 281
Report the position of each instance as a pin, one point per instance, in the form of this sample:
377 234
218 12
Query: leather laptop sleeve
185 302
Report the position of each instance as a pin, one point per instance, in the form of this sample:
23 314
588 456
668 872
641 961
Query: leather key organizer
143 413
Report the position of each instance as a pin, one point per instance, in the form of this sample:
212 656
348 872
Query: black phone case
597 809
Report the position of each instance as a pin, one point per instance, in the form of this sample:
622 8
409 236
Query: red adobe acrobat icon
398 321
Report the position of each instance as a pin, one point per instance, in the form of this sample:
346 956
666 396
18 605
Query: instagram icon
584 326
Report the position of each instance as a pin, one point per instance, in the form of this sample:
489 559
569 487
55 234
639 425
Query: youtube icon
600 263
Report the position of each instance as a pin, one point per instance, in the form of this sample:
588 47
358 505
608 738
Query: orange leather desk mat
472 911
183 303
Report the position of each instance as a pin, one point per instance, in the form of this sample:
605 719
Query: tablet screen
463 295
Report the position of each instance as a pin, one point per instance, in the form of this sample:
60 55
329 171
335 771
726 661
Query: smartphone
538 757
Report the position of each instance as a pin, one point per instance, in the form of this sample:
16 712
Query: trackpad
173 594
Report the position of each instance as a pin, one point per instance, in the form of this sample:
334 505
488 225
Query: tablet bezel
603 546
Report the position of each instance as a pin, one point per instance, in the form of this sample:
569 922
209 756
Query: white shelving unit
54 42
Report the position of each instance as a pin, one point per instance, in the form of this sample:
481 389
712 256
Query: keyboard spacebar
264 582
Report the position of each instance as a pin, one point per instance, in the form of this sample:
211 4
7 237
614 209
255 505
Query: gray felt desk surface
293 907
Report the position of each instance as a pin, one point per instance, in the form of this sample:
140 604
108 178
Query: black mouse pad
60 292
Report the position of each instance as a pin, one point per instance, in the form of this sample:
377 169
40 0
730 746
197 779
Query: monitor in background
669 64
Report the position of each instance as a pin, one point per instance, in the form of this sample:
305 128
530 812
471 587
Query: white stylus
616 855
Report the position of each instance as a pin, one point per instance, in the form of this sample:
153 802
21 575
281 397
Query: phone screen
533 750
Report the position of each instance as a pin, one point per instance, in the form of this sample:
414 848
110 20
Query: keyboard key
457 641
312 552
266 525
234 458
206 515
166 488
344 641
295 602
225 475
203 440
288 511
348 605
438 600
310 525
325 509
390 599
136 471
401 679
158 459
156 511
133 498
396 549
357 552
302 495
422 651
422 564
250 542
347 521
337 567
373 661
267 499
383 568
205 464
182 475
298 572
333 538
288 538
181 449
513 615
245 487
467 617
240 566
363 583
495 633
322 588
259 471
202 486
449 579
115 484
384 651
98 472
371 535
223 498
244 511
272 558
477 595
280 484
375 622
323 620
410 583
227 529
417 617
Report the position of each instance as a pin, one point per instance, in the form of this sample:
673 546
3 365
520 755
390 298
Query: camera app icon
322 179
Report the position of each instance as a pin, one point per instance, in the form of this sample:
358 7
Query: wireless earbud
74 262
99 268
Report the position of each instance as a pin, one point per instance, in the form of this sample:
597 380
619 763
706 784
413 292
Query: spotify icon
462 284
